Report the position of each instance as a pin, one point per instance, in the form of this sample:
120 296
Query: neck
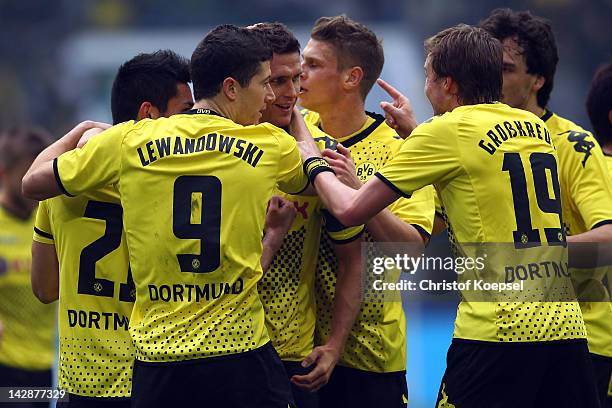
533 107
18 209
345 118
607 149
214 105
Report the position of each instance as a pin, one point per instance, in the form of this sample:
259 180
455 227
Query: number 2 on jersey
525 235
88 284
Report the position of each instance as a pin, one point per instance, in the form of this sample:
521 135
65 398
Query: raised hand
399 114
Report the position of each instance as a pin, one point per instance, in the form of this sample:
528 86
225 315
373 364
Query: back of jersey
495 170
96 293
194 189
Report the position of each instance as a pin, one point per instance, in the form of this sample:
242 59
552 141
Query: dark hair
227 51
147 78
279 38
21 142
355 45
534 35
599 104
472 58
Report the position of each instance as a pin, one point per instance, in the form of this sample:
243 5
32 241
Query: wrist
314 166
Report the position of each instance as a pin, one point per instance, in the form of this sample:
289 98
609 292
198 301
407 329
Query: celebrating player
599 108
478 153
194 189
85 233
287 290
27 346
530 61
342 60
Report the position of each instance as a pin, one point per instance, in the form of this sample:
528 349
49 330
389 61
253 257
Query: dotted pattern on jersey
539 321
533 321
96 367
187 333
365 348
278 291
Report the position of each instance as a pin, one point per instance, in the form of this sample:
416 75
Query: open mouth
285 107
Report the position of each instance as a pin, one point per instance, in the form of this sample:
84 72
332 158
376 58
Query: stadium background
58 59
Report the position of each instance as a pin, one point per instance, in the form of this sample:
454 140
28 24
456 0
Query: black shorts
349 387
79 401
16 377
253 379
528 375
602 367
302 397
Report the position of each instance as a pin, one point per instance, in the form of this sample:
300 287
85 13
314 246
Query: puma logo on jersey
581 145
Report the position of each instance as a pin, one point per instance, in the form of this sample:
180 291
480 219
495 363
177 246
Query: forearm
45 272
584 254
599 234
271 242
347 303
337 198
387 227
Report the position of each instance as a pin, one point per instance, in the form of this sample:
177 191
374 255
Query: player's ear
147 111
539 83
230 88
353 77
450 85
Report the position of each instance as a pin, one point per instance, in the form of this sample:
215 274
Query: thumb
343 150
311 358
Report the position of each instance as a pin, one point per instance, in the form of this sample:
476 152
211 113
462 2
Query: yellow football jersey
377 341
28 342
586 200
194 189
495 170
96 292
287 288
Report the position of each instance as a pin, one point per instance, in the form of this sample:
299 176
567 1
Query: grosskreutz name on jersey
157 149
507 130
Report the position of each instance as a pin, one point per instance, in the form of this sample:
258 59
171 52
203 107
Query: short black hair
147 77
22 142
279 37
472 58
599 104
535 36
355 45
227 51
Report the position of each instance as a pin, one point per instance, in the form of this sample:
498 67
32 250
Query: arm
39 181
439 225
399 113
602 233
384 226
279 219
347 303
584 251
45 272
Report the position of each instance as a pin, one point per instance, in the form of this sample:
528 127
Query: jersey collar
547 115
202 111
378 120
